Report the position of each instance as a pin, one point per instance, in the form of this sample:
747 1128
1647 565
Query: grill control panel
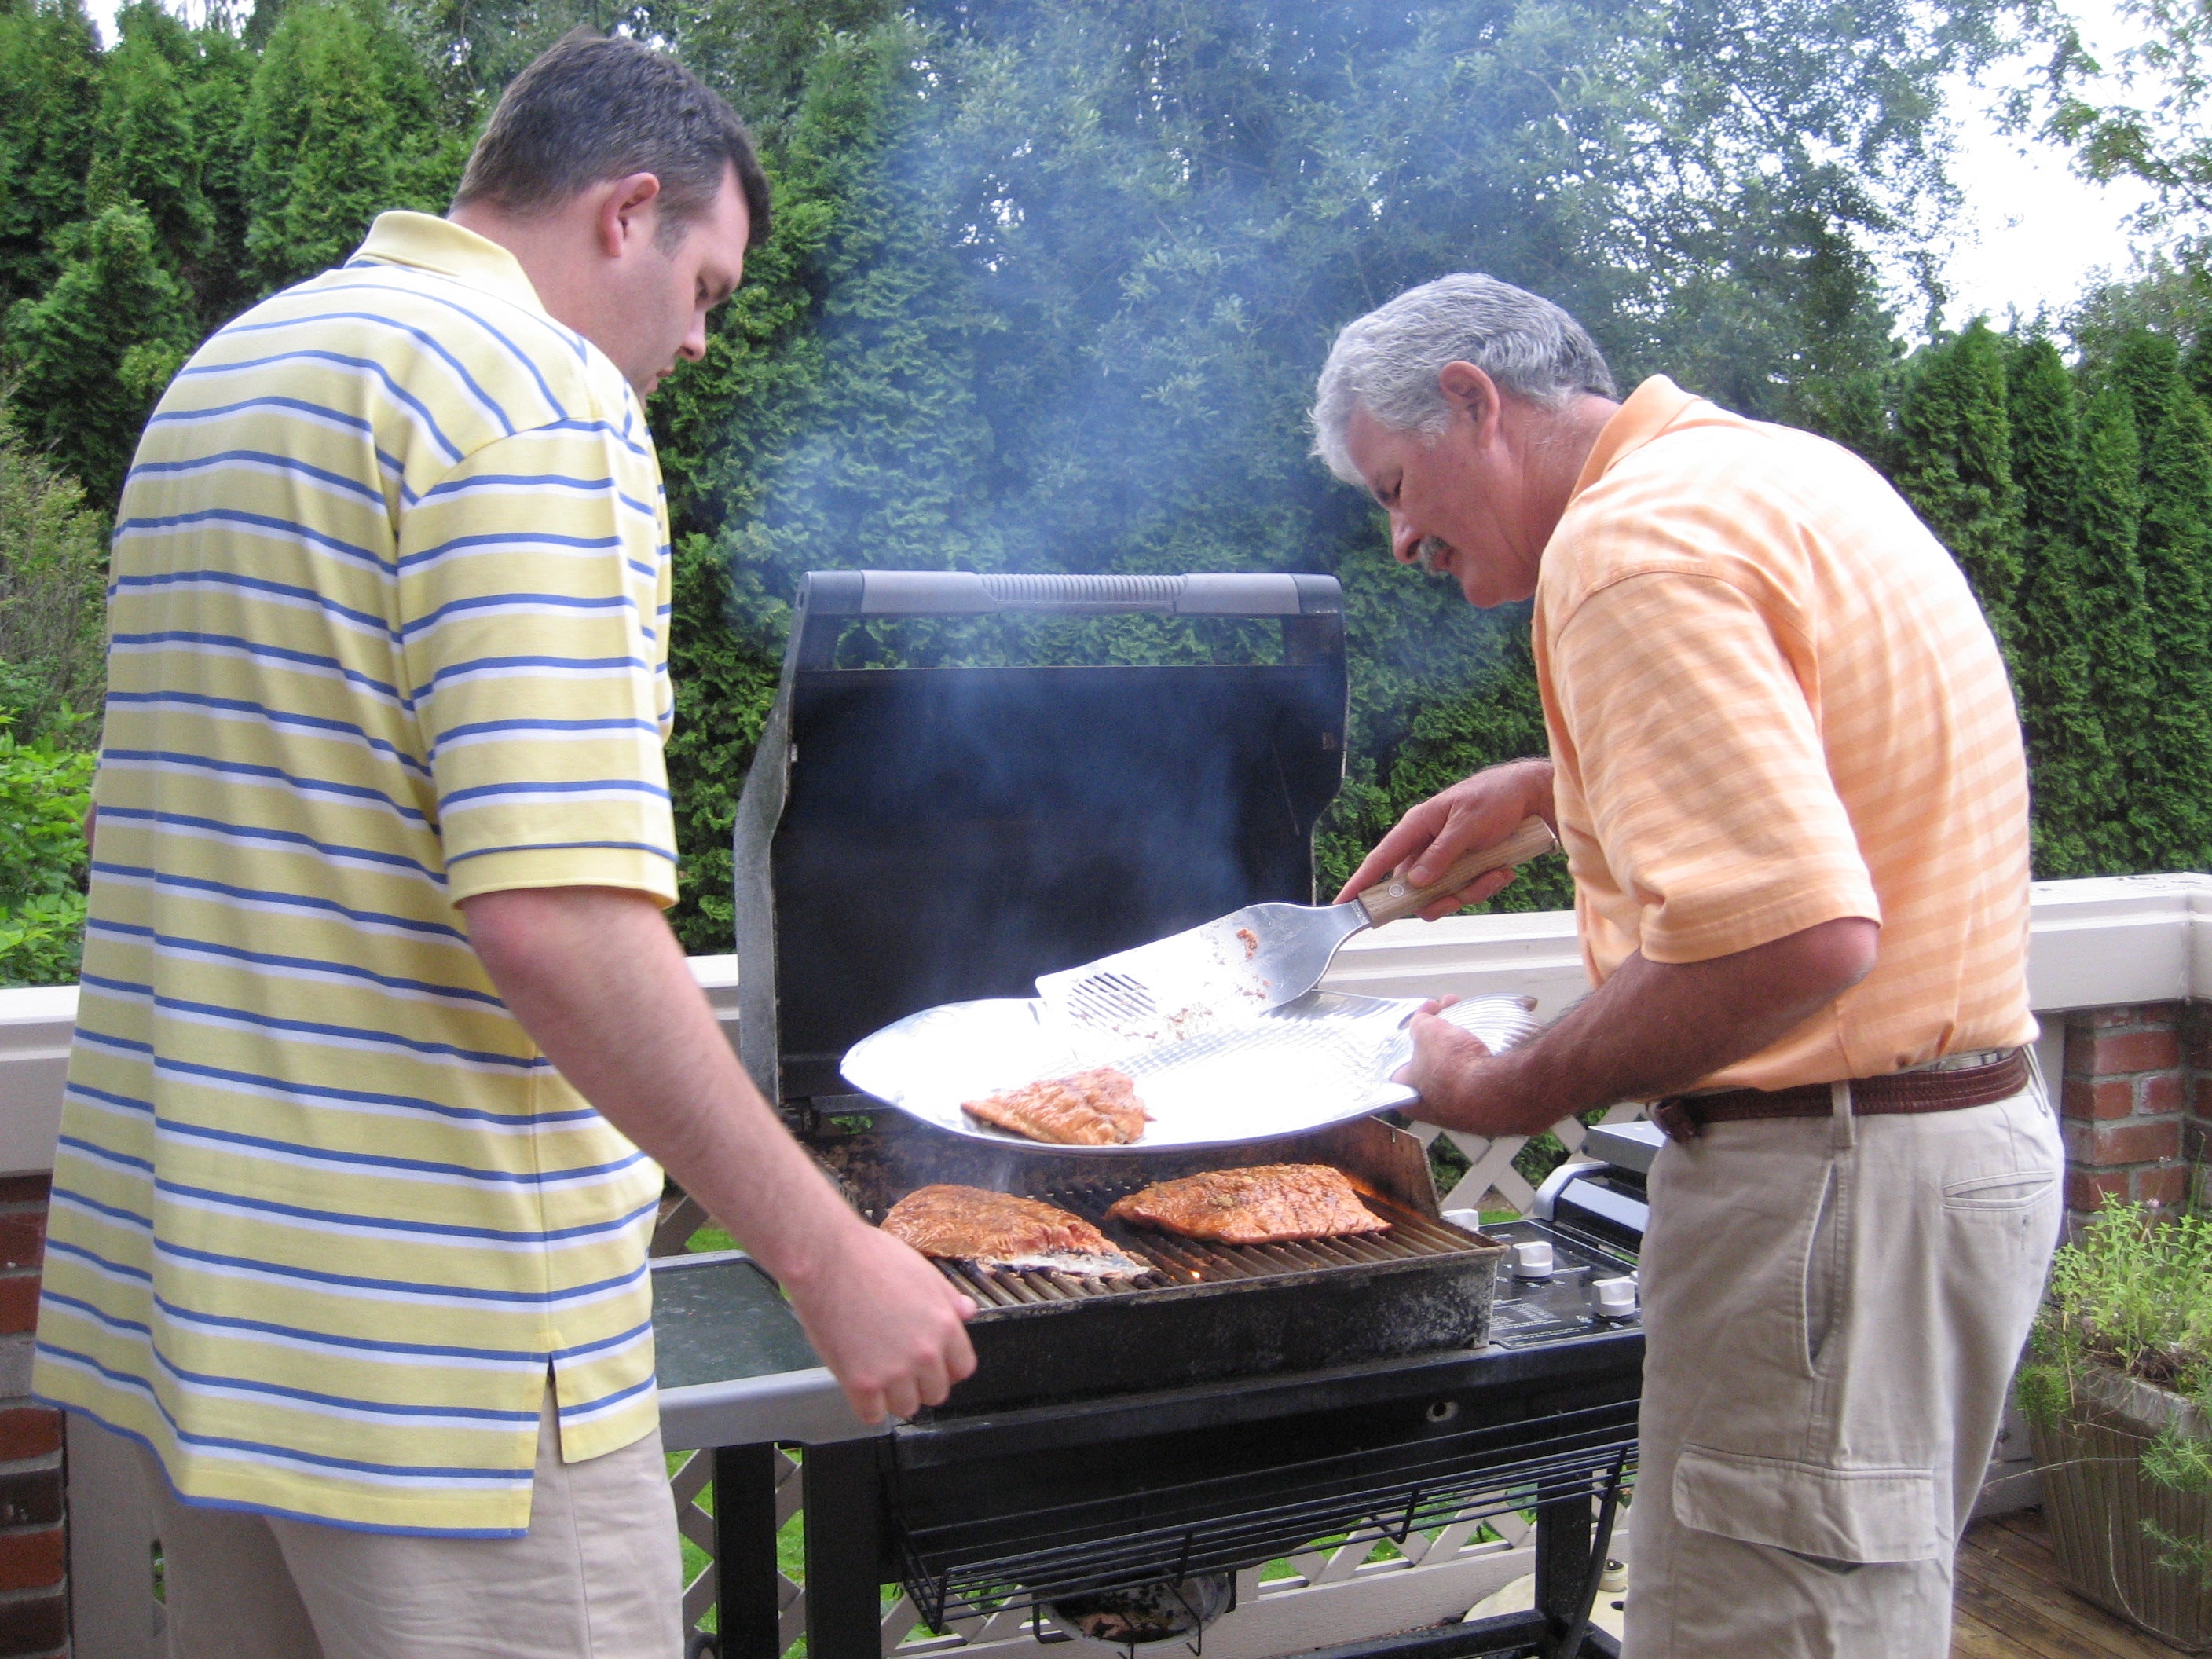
1556 1283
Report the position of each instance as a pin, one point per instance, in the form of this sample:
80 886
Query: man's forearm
596 978
1652 1028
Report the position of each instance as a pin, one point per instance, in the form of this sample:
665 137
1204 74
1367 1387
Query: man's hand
885 1321
600 984
1479 812
1653 1029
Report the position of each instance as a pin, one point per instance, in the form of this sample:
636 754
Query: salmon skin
998 1229
1266 1203
1097 1108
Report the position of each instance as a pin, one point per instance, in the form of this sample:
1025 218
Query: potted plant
2118 1392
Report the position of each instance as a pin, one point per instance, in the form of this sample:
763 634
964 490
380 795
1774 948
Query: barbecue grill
913 837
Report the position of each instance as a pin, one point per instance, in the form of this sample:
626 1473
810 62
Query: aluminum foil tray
1326 1058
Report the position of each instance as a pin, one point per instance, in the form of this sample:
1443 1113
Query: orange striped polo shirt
1773 702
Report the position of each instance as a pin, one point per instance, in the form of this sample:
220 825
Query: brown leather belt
1684 1117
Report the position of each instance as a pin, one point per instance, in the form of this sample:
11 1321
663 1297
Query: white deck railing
2092 944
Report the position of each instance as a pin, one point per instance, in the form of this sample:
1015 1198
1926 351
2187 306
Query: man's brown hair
594 107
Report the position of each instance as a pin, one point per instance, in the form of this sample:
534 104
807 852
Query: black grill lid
908 837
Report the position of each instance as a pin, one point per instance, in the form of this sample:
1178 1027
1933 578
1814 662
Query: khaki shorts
1833 1312
596 1577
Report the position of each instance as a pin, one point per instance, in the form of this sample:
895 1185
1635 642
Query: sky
2034 234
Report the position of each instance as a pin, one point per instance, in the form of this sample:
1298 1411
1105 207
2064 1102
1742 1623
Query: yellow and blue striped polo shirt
388 628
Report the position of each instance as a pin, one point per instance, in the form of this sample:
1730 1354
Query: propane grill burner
1179 1260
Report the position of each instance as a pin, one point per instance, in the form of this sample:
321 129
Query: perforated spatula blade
1242 965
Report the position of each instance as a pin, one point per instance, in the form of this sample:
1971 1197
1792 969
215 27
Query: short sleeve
1702 767
530 588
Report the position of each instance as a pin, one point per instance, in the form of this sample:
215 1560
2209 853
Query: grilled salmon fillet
1268 1204
1097 1108
998 1229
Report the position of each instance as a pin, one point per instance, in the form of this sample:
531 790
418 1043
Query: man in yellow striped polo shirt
381 1029
1786 771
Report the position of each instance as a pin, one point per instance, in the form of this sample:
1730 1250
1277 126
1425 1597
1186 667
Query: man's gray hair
1387 361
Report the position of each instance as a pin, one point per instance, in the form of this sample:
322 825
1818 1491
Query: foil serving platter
1324 1059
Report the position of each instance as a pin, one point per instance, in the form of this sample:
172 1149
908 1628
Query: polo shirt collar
1650 410
429 243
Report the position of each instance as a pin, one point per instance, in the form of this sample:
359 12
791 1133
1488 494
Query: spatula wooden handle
1389 901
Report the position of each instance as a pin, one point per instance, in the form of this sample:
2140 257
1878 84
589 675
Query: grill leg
844 1551
1563 1571
745 1553
1571 1550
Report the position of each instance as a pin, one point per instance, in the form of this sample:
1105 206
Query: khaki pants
1833 1312
596 1577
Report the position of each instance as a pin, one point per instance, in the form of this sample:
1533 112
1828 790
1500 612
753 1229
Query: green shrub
2134 1294
45 789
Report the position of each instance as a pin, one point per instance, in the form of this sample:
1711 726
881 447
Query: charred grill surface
1188 1261
1208 1310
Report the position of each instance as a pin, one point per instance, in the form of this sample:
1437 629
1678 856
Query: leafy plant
2134 1295
45 789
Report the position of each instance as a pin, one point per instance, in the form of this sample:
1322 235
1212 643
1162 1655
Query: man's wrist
1526 1094
1537 794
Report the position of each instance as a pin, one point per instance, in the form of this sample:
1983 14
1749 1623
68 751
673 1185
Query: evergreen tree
145 147
2175 792
2074 775
2121 665
221 88
49 92
91 356
2145 366
1955 466
344 124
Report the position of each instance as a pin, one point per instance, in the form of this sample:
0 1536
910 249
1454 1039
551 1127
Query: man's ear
1470 391
629 212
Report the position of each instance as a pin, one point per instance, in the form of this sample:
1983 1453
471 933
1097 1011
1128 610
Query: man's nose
694 343
1405 539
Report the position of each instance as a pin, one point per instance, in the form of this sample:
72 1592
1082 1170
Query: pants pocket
2017 1189
1824 1273
1841 1515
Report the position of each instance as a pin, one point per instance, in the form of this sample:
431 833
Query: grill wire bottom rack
959 1570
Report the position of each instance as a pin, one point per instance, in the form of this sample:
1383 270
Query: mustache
1433 555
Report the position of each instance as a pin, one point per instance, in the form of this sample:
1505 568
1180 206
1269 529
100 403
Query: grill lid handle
961 592
1310 608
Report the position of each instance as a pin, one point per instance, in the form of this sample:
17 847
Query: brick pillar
33 1545
2197 1128
2124 1102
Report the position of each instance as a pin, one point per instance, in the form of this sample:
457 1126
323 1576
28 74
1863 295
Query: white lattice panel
1490 1161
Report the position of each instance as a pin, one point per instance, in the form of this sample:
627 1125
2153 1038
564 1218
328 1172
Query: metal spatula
1250 960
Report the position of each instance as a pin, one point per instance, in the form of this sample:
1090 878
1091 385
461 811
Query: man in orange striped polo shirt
1787 772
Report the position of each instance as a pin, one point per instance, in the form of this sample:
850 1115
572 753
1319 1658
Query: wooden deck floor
2010 1604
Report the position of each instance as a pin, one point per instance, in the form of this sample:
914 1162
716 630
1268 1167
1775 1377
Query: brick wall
34 1553
2136 1102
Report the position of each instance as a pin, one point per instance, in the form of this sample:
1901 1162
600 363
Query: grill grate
1177 1261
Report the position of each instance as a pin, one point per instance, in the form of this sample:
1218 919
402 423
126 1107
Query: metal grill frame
1229 1522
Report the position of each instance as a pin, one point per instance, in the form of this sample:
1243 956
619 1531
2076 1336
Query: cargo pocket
1839 1515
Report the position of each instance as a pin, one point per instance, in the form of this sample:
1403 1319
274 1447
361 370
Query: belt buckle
1672 1115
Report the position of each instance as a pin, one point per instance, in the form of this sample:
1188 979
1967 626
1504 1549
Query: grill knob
1532 1260
1616 1298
